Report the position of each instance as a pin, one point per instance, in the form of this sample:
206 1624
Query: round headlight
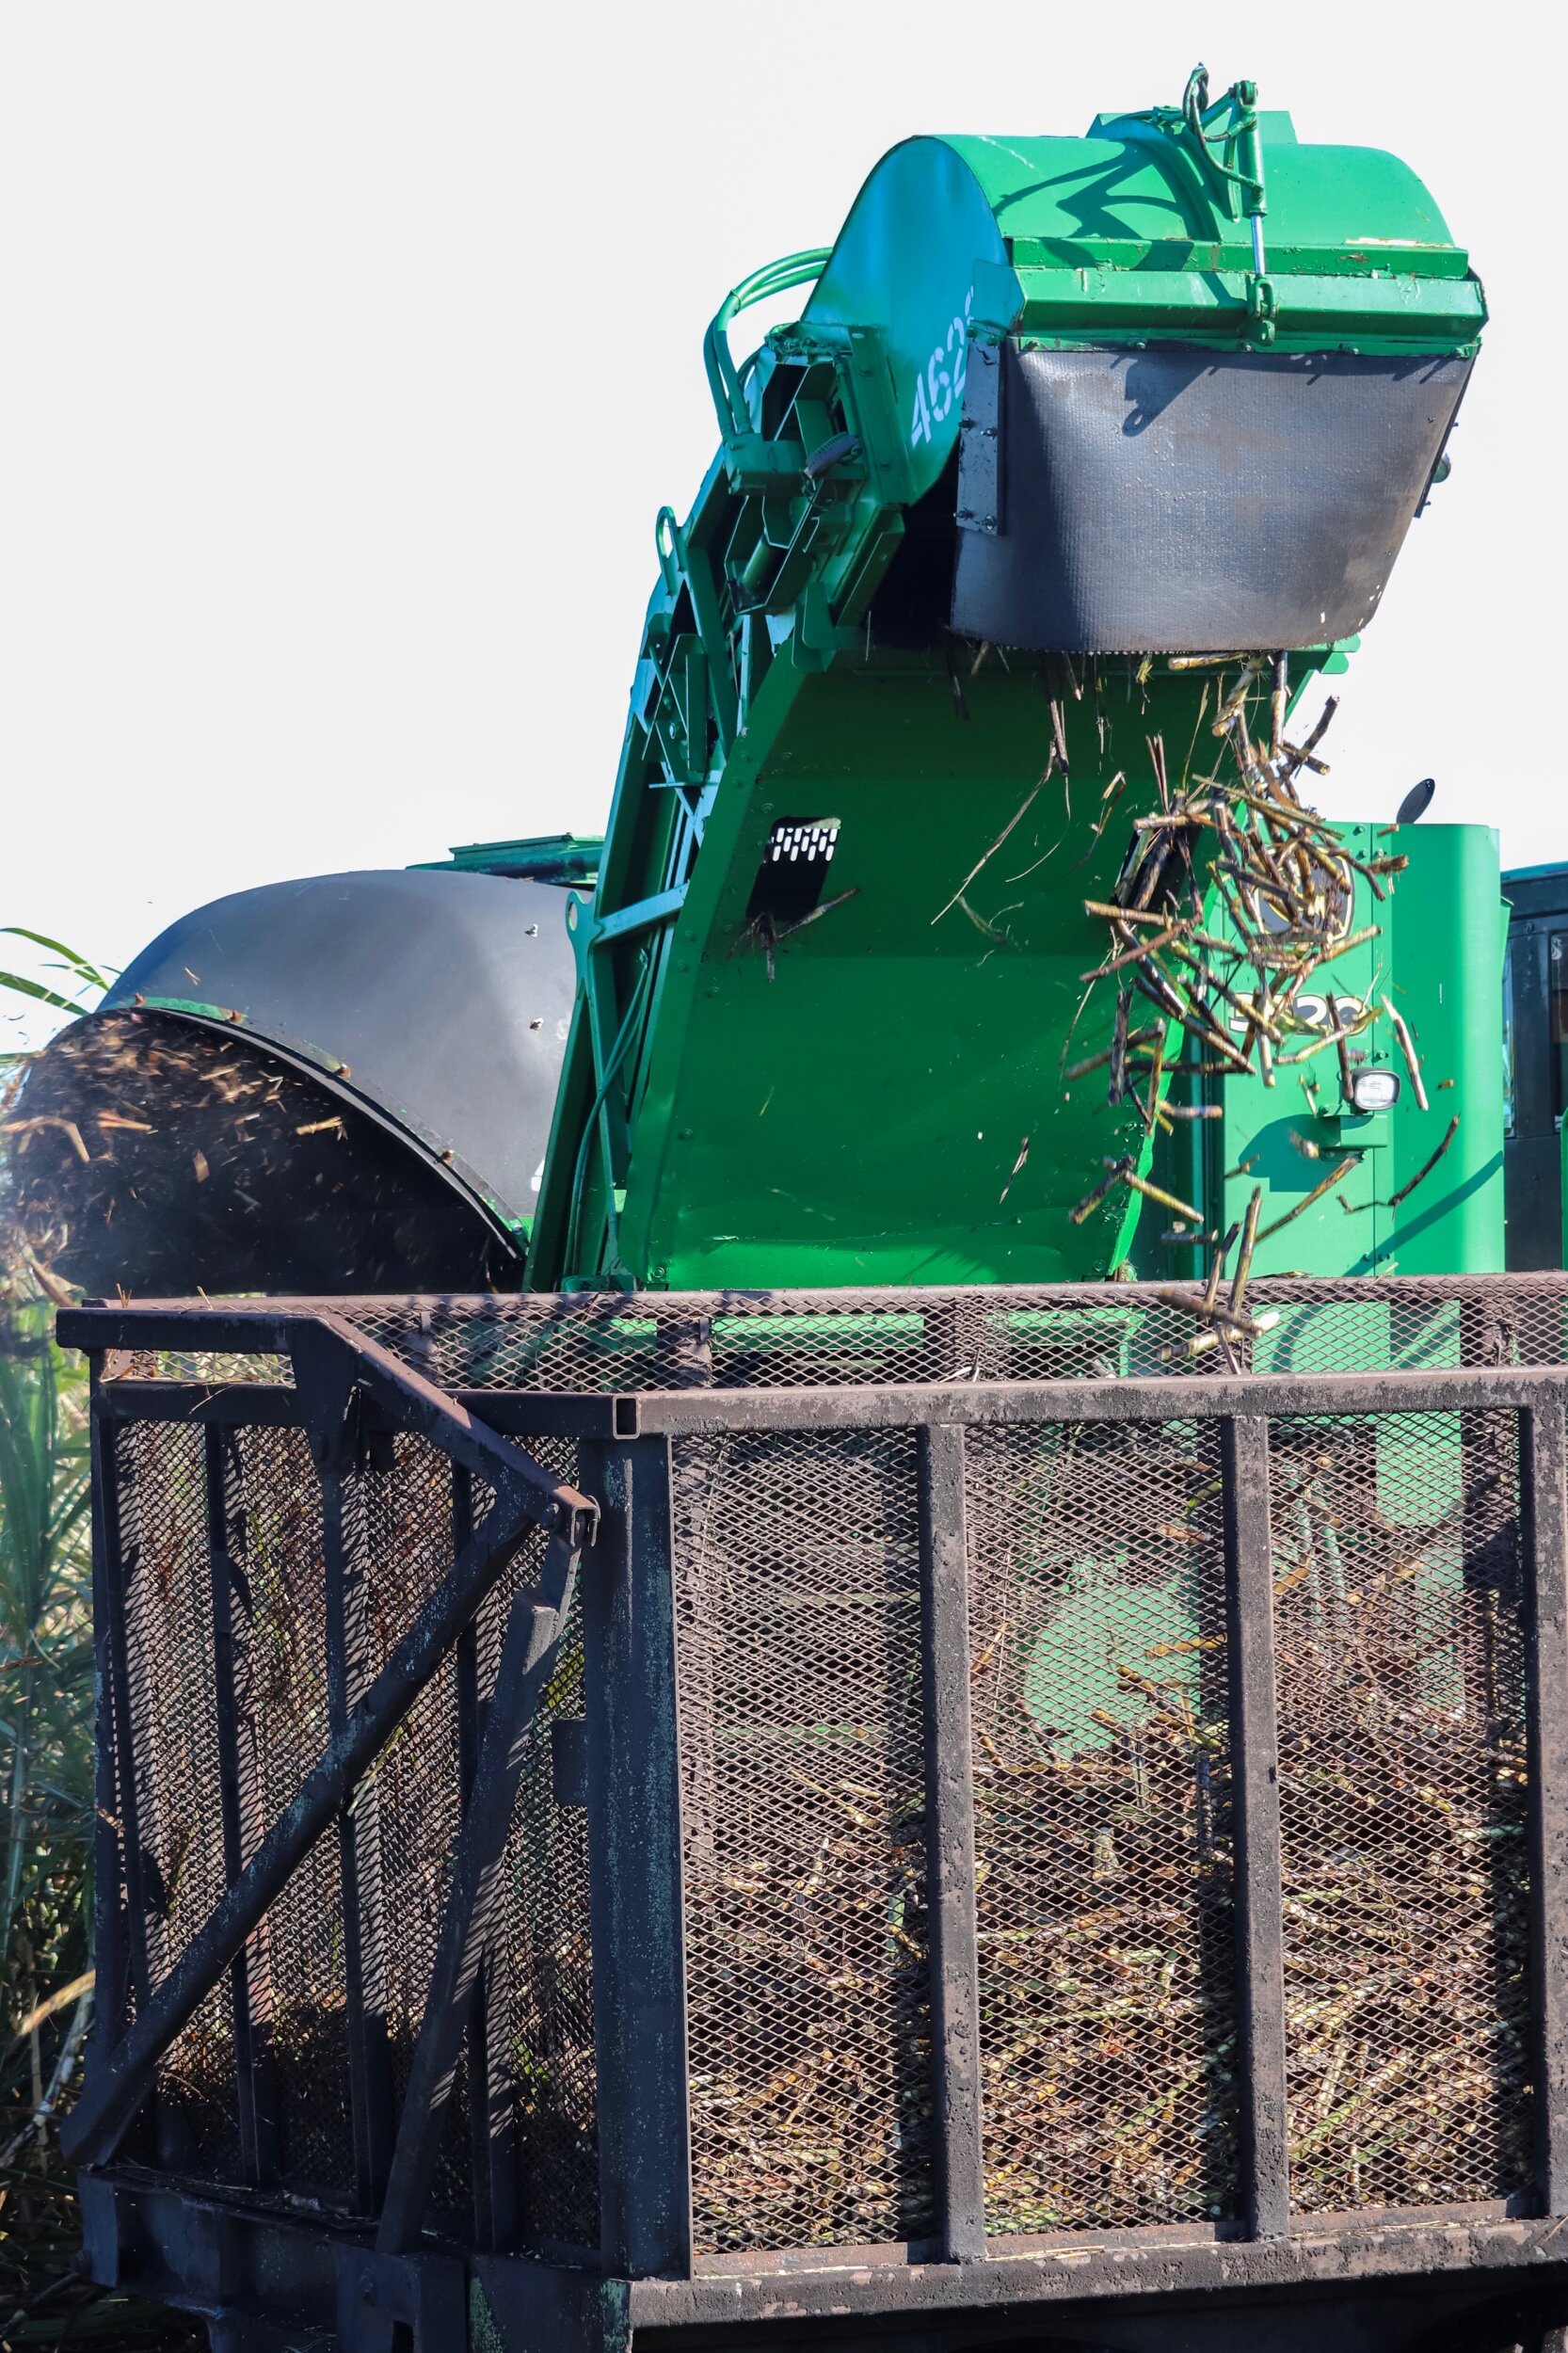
1374 1090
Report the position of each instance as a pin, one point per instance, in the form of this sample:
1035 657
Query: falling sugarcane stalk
1015 818
1249 1242
1203 1311
1119 914
1098 1062
1427 1166
1151 1192
1098 1192
1325 717
1156 757
1131 953
1284 877
1235 700
1276 704
1109 799
1336 1177
1407 1047
1216 1271
1153 1112
1117 1085
1155 1108
1340 1039
1059 741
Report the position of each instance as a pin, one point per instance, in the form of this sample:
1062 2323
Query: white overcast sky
350 351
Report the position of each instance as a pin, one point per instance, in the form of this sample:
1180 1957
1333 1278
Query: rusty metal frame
264 2281
344 1383
336 1371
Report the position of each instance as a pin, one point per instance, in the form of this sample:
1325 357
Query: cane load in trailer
702 1727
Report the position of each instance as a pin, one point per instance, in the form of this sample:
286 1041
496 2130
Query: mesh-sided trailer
923 1817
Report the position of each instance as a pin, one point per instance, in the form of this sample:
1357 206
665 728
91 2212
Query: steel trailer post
493 2125
344 1559
118 1770
1255 1805
240 1815
950 1844
635 1890
1543 1498
537 1618
110 1952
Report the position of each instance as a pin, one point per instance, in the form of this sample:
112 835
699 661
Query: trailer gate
669 1811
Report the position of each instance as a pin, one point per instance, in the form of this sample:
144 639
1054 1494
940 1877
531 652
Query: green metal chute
1056 411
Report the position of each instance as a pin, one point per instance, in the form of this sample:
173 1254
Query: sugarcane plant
46 1765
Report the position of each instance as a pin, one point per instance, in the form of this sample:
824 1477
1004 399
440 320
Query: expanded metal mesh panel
205 1364
403 1510
1400 1662
601 1343
542 1973
1102 1832
549 1993
300 1991
179 1862
797 1595
410 1801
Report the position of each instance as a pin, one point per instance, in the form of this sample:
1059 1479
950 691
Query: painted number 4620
942 383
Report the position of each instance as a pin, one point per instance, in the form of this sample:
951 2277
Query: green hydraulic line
775 278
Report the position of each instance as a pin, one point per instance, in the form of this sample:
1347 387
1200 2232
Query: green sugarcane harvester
1051 405
960 930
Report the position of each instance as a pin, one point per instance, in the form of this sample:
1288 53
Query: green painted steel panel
1439 959
1449 933
1128 181
898 1059
904 264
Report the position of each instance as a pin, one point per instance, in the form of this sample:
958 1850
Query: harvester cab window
1535 1063
1557 999
1511 1126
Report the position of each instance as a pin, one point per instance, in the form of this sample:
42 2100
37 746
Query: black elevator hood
344 1083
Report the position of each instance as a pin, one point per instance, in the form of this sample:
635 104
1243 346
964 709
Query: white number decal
960 363
944 385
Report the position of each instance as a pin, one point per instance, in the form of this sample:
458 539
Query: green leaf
35 989
77 963
45 1734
